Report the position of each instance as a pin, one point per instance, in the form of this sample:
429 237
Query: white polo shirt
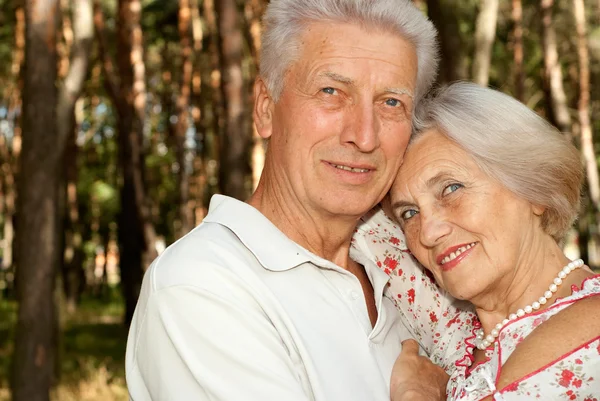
237 311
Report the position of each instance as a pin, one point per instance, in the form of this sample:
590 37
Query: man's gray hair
511 144
285 21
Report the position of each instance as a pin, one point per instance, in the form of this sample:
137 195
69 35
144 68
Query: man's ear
263 109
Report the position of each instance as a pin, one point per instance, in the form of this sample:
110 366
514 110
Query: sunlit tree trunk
485 33
198 176
10 163
69 92
453 65
518 70
212 98
553 78
583 105
236 137
37 234
182 109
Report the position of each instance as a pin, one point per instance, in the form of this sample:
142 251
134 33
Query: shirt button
353 295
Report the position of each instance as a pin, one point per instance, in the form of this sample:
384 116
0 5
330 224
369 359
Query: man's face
342 123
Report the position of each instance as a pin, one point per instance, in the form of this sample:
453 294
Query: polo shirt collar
273 249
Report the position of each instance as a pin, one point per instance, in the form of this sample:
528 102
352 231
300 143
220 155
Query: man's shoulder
210 253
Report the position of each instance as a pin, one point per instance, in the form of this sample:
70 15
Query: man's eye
329 91
451 188
407 214
393 102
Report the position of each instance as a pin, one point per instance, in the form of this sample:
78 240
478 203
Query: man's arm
187 343
416 378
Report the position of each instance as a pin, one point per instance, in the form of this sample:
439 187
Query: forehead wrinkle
436 179
401 203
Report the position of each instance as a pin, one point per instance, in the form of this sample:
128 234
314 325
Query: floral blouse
445 328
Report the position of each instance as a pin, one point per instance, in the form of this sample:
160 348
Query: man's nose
362 129
434 227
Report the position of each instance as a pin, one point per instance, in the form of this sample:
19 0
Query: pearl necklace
482 341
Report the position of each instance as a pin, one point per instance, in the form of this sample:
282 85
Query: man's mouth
351 169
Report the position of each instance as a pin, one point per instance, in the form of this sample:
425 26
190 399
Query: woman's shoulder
573 329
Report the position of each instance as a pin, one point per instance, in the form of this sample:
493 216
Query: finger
410 347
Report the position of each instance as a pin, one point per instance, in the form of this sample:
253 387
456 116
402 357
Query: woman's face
466 228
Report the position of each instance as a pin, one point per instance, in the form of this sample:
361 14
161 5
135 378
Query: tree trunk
69 92
518 70
37 235
583 106
485 33
181 128
136 233
198 176
453 65
553 79
212 99
236 139
11 160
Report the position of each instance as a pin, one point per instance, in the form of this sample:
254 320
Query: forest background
119 119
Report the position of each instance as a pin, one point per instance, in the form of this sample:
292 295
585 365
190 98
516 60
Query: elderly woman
485 194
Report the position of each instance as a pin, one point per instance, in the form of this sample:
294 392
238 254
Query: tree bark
37 235
553 78
485 33
453 65
236 139
583 105
518 70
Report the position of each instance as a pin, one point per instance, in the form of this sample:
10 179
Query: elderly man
262 301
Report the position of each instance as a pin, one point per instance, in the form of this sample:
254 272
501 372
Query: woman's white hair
511 144
285 21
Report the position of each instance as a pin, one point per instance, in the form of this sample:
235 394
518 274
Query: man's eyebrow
400 91
337 77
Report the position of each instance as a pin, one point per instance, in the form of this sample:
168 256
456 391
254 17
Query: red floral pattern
445 327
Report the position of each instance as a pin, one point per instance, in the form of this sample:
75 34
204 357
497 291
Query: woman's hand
416 378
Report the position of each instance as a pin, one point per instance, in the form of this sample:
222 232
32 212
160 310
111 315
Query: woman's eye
407 214
451 188
329 91
392 102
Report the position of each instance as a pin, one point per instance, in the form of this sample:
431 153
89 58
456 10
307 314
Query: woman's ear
538 210
263 109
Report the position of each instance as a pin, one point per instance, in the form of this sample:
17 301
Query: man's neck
324 234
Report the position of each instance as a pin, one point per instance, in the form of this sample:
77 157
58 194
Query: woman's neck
534 272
